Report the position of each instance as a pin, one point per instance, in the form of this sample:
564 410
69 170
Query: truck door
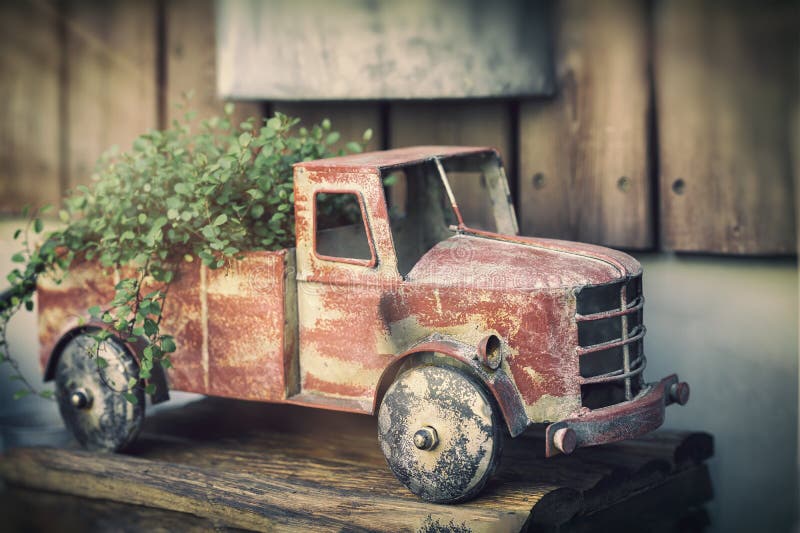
346 267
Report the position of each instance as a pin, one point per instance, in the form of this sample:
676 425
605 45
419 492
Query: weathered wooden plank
31 510
260 466
308 50
111 81
584 171
191 62
467 123
351 120
30 56
726 82
238 499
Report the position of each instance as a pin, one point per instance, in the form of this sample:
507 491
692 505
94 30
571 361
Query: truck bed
235 328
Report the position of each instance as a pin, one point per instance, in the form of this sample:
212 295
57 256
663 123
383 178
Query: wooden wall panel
30 55
726 81
191 61
111 81
468 123
584 171
351 120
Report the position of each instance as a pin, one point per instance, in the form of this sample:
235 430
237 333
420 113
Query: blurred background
666 128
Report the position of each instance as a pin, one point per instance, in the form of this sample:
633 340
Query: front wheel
90 394
440 433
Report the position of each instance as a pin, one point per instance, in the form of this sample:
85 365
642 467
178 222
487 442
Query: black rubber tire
109 422
465 421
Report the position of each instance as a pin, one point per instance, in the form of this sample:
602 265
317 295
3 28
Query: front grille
610 337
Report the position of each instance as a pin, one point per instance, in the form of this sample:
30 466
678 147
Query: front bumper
642 414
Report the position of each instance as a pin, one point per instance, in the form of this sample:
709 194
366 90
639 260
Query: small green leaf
221 219
38 226
131 398
21 394
354 147
18 257
94 311
168 344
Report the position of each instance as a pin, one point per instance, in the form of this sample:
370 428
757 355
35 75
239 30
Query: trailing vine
177 196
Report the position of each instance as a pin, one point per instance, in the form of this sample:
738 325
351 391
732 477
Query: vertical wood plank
348 118
726 82
191 62
468 123
465 123
30 54
111 87
584 170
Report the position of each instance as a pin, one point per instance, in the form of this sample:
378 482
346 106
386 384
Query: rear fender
157 377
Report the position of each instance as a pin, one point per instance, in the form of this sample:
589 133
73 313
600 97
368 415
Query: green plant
175 196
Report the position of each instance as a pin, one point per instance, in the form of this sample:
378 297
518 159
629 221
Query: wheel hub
426 438
81 399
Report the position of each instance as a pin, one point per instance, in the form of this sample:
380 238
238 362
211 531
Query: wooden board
259 466
351 120
466 123
584 170
191 62
111 81
311 50
30 62
726 82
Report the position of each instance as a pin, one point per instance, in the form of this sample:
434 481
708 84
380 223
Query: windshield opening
421 213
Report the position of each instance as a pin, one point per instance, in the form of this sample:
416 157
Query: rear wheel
90 395
440 433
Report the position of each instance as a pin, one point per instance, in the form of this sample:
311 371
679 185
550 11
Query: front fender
498 382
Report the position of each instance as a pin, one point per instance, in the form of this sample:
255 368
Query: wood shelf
245 465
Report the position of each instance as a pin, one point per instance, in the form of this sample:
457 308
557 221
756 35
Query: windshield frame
509 226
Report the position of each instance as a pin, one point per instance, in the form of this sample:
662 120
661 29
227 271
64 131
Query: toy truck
409 295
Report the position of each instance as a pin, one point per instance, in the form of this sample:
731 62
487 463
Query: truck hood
489 260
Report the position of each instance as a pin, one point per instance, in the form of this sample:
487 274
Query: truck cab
412 257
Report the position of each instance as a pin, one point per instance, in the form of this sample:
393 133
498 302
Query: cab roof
390 158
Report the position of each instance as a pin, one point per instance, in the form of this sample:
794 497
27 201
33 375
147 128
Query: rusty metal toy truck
409 295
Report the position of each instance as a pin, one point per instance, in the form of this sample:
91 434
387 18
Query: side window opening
340 229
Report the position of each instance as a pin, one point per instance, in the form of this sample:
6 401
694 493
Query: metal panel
358 49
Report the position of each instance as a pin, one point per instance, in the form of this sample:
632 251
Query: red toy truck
410 296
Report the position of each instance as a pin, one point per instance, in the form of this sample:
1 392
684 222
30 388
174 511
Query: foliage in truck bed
177 195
